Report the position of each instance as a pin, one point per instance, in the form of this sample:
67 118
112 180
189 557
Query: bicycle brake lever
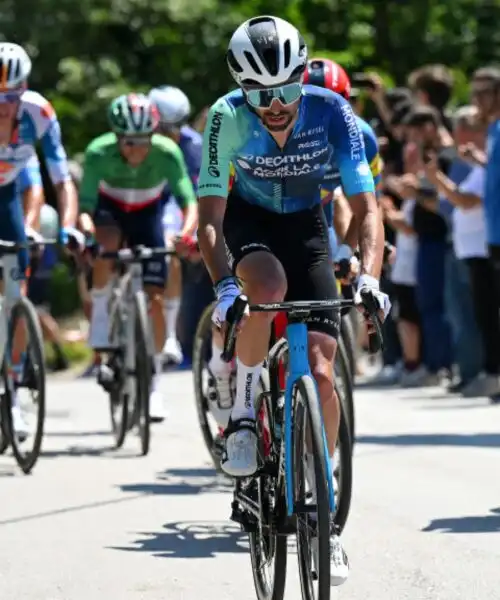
375 339
234 315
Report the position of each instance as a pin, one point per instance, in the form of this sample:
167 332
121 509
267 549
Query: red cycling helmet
328 74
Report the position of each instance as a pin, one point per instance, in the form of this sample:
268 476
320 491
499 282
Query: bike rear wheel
201 358
342 473
143 369
345 387
31 378
307 417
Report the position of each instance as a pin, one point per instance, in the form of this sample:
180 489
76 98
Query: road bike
22 360
127 370
277 500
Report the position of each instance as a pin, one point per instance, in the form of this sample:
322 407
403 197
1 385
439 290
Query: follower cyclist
270 231
124 175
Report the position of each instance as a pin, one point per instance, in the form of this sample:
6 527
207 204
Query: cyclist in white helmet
27 118
269 231
174 109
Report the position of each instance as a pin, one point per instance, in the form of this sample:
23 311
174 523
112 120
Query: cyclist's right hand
226 290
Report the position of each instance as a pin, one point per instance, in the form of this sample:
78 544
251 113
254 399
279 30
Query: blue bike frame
298 362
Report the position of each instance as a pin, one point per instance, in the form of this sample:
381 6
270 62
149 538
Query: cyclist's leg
108 236
248 231
172 225
144 227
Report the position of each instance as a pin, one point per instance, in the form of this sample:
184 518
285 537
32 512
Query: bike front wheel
311 492
143 369
268 549
25 387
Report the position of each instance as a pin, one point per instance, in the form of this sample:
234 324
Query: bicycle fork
298 363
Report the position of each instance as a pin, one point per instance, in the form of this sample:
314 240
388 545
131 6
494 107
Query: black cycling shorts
138 227
299 241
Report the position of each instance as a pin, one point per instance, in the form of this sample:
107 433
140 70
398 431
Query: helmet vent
233 63
288 53
253 62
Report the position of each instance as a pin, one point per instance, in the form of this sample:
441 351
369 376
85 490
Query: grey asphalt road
93 523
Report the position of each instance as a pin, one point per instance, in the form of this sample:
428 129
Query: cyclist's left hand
369 283
185 245
73 238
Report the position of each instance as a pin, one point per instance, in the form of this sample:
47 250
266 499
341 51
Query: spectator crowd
441 211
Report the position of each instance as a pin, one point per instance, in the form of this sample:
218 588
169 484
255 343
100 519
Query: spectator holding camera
427 137
469 306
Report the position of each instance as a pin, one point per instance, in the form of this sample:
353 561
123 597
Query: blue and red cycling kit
36 122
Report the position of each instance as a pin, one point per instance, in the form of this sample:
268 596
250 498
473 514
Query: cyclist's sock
172 306
158 370
247 379
217 366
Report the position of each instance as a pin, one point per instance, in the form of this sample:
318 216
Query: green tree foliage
87 52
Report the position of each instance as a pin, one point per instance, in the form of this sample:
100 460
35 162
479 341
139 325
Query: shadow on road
473 524
180 482
478 440
78 434
191 539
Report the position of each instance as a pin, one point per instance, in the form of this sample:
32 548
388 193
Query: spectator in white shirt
469 242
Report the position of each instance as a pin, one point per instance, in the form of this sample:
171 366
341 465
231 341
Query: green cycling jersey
107 174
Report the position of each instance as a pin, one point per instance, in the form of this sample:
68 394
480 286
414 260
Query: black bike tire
201 337
306 388
23 307
347 397
119 428
277 591
348 335
4 433
143 369
343 499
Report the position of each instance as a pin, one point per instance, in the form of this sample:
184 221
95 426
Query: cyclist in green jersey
124 174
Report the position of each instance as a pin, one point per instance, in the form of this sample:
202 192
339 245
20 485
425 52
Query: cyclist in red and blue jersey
26 118
328 74
270 231
174 108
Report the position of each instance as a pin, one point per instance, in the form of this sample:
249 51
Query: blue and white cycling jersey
36 121
332 178
30 175
287 180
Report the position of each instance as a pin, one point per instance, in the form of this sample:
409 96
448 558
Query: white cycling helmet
15 66
266 51
172 104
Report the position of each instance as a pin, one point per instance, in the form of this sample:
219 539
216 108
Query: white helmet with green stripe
133 114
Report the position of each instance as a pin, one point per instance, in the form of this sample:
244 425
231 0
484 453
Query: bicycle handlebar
7 247
237 310
137 254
